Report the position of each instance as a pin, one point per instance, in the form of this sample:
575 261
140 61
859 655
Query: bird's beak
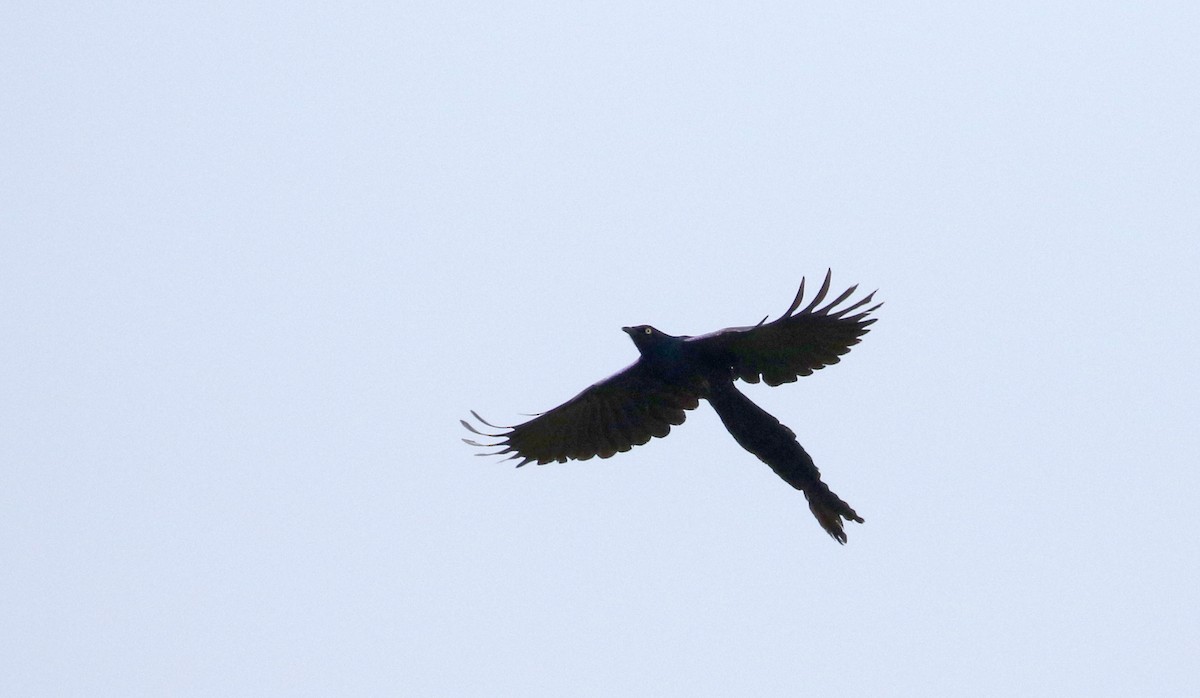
627 330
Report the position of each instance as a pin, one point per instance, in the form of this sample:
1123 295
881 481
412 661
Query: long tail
761 434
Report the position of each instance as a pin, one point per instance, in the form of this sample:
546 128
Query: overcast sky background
257 260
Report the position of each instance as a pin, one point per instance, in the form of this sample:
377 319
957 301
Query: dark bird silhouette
673 374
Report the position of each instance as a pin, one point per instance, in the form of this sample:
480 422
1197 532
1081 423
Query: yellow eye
649 331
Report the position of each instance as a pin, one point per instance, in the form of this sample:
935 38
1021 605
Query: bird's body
674 373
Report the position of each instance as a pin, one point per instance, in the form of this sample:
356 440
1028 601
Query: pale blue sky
258 260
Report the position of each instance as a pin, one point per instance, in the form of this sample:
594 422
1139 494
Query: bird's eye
648 331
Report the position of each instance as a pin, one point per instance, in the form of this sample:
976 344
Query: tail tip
830 514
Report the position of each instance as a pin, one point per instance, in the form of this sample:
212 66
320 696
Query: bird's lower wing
624 410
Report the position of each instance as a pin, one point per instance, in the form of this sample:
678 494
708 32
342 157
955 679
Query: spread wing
796 344
614 415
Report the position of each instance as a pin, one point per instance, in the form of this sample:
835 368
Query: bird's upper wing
796 344
614 415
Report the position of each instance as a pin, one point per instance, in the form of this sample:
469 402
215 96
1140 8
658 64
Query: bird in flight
674 373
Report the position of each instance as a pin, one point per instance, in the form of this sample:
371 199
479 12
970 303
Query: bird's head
647 339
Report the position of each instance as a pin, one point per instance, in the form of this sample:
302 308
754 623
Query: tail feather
830 509
775 444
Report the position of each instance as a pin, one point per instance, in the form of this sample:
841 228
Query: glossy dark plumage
673 374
